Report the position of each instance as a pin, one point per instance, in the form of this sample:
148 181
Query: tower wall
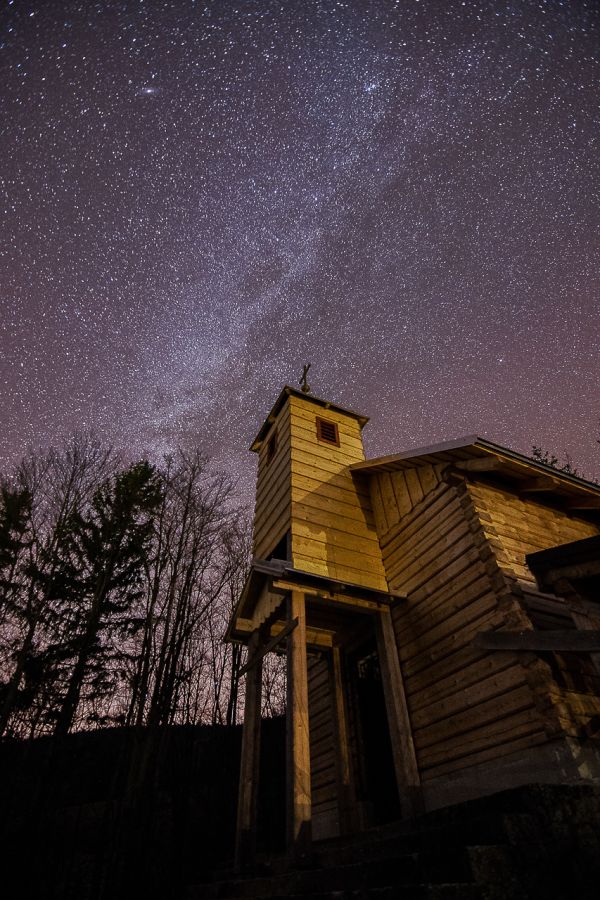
273 493
333 531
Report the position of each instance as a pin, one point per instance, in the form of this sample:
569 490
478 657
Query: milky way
197 198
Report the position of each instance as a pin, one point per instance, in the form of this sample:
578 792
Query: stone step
431 867
413 837
451 891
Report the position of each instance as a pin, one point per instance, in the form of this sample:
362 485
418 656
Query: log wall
466 706
516 526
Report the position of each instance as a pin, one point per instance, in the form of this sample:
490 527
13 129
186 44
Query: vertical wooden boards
299 832
394 494
249 765
332 524
405 761
516 526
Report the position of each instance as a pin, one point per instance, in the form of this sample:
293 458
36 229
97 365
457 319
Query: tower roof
277 406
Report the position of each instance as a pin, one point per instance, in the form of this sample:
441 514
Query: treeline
116 583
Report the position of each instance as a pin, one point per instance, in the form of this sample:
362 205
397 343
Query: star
390 190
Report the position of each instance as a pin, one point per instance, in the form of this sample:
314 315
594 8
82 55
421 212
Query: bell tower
316 582
310 509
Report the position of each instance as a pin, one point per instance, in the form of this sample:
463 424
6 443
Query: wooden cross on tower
303 383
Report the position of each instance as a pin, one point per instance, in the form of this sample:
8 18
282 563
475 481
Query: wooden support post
299 832
346 795
249 767
403 750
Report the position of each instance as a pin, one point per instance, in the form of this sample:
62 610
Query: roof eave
474 442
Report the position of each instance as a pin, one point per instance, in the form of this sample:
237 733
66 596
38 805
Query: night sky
197 198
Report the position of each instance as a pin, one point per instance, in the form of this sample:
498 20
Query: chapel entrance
377 792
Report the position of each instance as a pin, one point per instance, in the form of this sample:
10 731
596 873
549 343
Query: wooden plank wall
273 500
517 526
332 523
325 815
466 706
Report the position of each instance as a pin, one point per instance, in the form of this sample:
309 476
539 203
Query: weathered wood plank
308 460
401 494
540 641
249 765
262 651
340 456
512 701
346 796
337 537
415 519
378 507
349 508
461 700
450 629
341 487
269 537
428 478
298 734
460 685
506 745
434 561
365 576
433 608
432 652
388 497
435 507
414 486
422 688
403 750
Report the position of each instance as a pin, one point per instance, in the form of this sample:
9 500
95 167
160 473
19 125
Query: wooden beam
299 804
346 794
542 483
566 640
268 647
481 464
357 603
577 570
403 749
317 639
590 502
245 849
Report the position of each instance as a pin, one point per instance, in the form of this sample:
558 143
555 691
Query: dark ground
126 813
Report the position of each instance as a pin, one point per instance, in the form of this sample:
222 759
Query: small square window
327 432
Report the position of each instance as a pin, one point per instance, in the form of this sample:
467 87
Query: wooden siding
517 526
323 771
332 523
466 706
273 499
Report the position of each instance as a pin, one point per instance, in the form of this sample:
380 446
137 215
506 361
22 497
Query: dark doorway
376 775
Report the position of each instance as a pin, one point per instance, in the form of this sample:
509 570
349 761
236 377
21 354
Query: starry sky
199 197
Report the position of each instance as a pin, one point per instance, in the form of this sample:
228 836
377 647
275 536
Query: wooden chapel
435 650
